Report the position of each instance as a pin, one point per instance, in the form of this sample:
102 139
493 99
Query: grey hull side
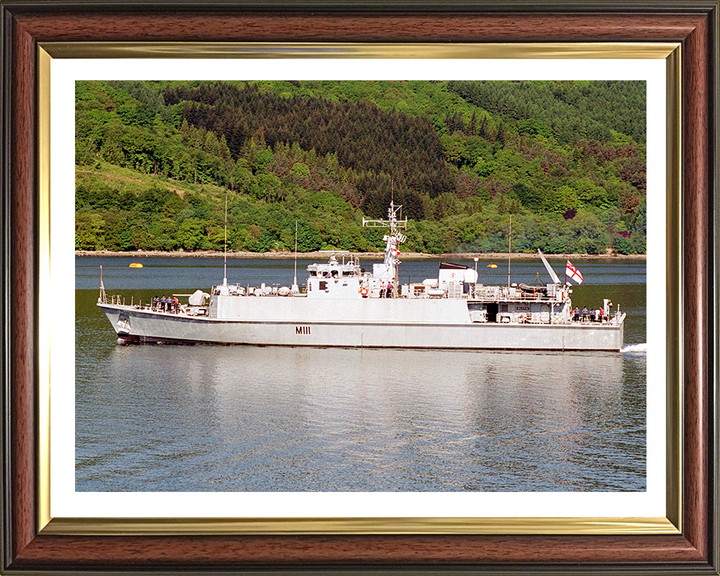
145 326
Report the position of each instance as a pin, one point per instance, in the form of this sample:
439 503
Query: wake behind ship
343 305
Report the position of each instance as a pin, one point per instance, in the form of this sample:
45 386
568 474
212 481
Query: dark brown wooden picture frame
26 24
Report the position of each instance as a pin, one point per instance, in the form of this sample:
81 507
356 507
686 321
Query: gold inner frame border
671 524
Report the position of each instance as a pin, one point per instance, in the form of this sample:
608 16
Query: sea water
246 418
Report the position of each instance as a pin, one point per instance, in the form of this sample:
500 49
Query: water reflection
293 419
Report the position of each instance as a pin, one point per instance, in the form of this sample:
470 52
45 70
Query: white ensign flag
573 273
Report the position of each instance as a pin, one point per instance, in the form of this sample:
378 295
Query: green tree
588 234
564 199
300 169
191 234
89 231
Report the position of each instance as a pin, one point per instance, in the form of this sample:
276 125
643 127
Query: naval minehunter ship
343 305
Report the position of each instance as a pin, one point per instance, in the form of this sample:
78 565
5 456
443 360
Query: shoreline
287 255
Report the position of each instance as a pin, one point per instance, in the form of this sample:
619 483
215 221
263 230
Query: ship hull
141 325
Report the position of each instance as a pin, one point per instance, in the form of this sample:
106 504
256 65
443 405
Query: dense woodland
157 161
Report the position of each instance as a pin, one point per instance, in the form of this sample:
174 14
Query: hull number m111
302 329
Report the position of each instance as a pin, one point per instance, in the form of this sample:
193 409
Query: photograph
371 286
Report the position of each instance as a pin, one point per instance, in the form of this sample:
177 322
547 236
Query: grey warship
344 305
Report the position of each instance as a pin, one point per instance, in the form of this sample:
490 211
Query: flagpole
295 288
509 249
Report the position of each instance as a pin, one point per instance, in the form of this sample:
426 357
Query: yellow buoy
492 265
135 265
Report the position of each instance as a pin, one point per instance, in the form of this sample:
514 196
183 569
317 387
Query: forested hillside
155 162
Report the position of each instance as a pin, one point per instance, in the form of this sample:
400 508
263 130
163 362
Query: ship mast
295 288
102 297
225 244
392 240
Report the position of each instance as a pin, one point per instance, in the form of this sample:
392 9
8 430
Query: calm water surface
241 418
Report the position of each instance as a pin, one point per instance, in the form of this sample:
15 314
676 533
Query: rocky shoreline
499 256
